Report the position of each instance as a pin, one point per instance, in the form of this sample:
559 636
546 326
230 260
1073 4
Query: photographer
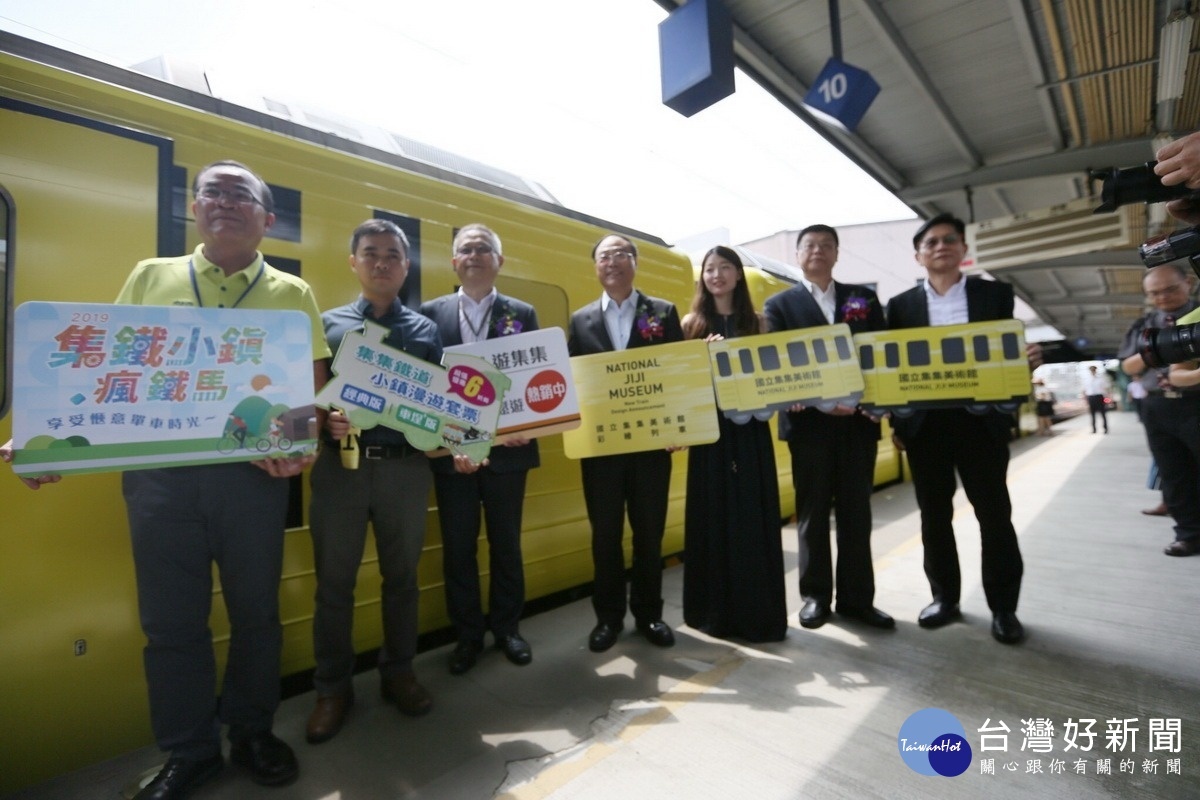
1171 411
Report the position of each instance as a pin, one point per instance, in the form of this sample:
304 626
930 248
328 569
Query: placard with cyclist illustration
112 387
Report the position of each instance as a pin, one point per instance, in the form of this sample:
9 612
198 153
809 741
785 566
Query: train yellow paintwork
95 171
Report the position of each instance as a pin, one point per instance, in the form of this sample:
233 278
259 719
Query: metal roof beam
1115 154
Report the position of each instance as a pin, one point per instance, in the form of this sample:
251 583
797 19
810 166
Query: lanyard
196 286
485 315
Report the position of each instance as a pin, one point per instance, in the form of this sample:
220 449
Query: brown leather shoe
327 717
408 695
1159 510
1183 547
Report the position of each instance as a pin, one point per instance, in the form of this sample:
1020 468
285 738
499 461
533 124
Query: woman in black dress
733 583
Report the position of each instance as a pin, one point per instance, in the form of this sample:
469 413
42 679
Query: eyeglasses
613 256
1172 289
931 242
236 196
475 249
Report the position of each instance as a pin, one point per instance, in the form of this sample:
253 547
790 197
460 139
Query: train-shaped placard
979 366
754 376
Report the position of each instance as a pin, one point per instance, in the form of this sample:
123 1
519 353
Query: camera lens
1174 345
1167 247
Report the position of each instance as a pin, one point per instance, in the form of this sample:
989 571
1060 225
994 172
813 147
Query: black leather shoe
268 759
657 633
937 614
515 649
466 652
1183 547
1007 628
868 616
603 636
179 777
814 614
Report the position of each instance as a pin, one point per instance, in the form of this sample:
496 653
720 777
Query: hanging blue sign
841 94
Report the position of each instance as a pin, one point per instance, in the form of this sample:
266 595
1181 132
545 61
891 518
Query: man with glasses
833 454
941 442
389 487
1170 414
475 313
182 520
623 318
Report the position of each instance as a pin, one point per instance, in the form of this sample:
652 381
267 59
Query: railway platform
1112 636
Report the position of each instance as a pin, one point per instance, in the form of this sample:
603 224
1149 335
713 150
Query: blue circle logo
933 742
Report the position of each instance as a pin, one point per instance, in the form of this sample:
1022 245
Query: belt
377 452
1171 394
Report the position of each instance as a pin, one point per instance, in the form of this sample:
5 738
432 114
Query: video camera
1158 346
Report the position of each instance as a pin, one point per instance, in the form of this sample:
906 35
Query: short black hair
818 229
632 246
940 219
376 226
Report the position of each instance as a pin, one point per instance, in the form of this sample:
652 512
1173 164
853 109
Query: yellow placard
756 375
647 398
979 363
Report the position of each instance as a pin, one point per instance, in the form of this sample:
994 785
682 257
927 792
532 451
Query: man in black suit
472 314
940 442
620 319
833 454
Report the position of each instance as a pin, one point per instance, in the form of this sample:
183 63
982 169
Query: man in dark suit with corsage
942 441
833 453
620 319
472 314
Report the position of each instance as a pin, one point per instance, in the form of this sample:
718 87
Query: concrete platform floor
1112 635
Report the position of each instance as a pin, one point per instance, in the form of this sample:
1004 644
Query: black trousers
463 502
950 441
1096 406
833 468
637 482
1173 430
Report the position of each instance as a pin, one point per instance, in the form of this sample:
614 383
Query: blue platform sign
841 94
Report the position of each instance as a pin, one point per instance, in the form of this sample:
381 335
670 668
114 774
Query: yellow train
95 171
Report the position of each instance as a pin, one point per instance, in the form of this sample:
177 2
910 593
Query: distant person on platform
833 453
389 488
1096 388
638 482
1170 411
1044 406
941 442
182 520
477 312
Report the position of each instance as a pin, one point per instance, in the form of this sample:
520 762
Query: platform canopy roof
996 110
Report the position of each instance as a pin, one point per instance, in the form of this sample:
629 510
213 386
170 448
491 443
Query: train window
820 352
797 354
866 357
746 361
982 352
6 255
891 355
289 265
768 356
724 368
1008 343
918 354
287 214
954 350
843 347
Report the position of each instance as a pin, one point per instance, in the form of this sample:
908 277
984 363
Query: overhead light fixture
1174 44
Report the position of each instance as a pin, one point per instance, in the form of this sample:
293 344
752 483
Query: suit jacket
509 316
986 300
795 308
655 321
